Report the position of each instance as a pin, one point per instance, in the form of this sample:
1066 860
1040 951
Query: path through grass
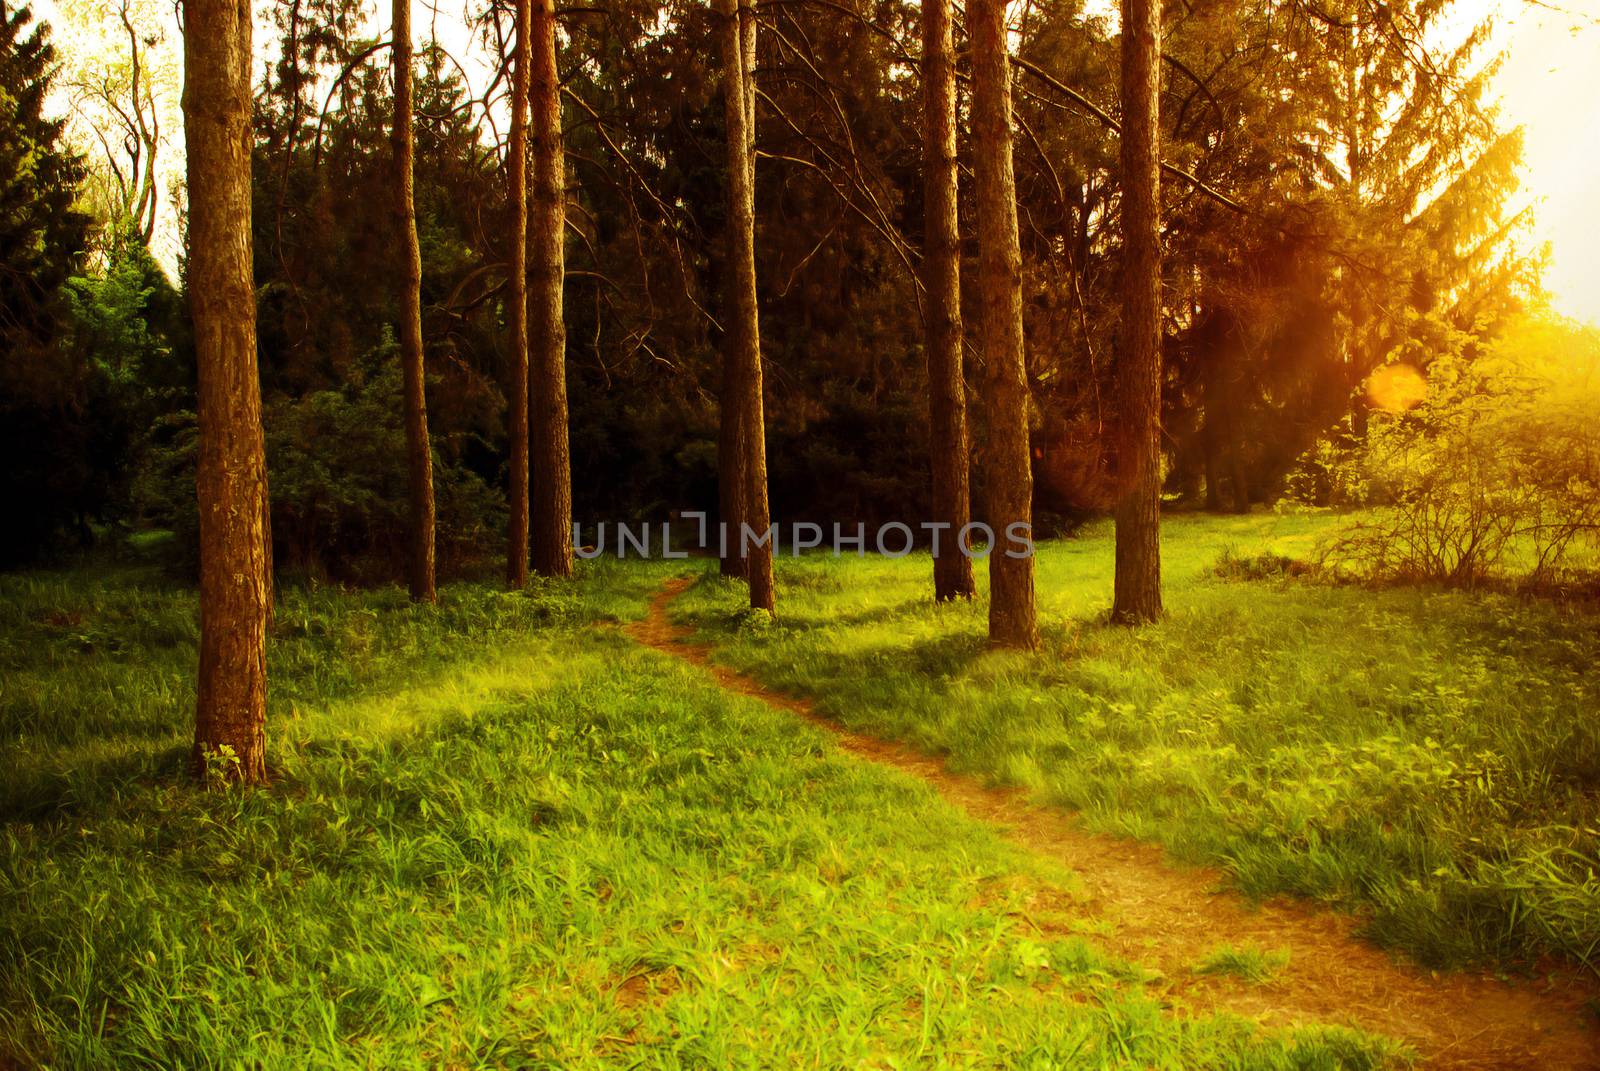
1431 759
1298 964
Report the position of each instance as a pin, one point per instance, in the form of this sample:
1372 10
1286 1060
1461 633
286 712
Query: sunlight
1396 388
1549 86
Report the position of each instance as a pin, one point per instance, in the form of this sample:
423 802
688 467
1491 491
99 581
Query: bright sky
1550 85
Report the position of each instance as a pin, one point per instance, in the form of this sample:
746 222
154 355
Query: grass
503 835
1430 759
1254 965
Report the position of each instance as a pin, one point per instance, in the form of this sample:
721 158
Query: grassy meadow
1428 758
501 833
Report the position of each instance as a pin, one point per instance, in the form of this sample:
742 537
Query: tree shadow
876 615
947 654
85 787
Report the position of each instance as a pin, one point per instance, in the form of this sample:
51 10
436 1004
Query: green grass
1251 964
1429 758
503 835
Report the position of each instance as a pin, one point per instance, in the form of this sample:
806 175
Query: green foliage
1429 758
1496 474
336 462
500 836
128 320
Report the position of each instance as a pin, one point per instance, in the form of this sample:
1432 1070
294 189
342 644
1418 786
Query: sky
1549 85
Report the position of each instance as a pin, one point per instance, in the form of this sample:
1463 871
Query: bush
1494 475
1232 565
336 472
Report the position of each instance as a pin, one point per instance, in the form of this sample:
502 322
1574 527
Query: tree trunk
547 403
1241 481
1137 596
1212 432
1213 475
517 389
733 433
231 478
731 450
941 279
418 450
1007 466
743 344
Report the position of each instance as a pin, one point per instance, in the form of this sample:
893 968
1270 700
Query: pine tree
42 236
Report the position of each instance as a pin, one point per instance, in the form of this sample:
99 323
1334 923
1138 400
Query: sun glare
1549 84
1396 388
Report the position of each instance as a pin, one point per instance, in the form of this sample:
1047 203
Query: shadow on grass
850 619
88 785
948 654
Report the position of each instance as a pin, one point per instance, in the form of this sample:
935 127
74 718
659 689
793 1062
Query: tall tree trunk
1137 596
743 347
941 279
547 403
1007 466
733 433
517 389
231 478
418 450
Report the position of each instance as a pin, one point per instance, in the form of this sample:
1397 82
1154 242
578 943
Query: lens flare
1397 388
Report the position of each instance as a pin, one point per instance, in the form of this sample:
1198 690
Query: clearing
504 833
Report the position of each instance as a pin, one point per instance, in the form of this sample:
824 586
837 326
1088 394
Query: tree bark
1137 596
549 451
517 389
419 452
731 450
1007 465
1214 429
743 330
732 481
230 716
941 279
733 433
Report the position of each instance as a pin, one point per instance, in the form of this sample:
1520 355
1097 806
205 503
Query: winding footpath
1169 918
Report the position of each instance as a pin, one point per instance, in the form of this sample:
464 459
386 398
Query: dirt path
1169 918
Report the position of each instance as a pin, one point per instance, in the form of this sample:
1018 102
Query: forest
777 533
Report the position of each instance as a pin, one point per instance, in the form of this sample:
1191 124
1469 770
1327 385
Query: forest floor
502 832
